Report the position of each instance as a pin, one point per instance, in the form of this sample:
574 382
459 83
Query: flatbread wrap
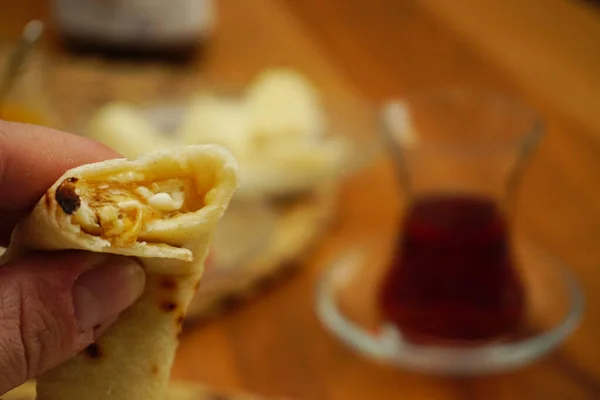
161 208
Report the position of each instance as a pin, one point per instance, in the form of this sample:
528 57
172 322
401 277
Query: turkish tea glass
459 292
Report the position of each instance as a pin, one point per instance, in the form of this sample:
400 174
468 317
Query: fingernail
107 290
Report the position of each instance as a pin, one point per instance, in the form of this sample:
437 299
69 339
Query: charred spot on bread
94 351
169 283
66 196
155 369
168 306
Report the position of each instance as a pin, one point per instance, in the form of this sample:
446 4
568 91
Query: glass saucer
346 305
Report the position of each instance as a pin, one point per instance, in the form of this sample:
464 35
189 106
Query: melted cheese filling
119 211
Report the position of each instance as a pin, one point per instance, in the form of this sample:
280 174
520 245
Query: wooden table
380 48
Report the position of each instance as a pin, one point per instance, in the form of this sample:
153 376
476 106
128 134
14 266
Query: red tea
453 277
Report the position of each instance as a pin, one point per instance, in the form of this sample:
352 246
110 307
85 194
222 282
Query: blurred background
295 89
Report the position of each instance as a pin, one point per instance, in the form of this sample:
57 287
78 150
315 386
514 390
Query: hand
55 304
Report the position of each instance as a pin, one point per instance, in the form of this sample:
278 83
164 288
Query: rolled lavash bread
162 208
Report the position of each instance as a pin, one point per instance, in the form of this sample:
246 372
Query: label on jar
135 20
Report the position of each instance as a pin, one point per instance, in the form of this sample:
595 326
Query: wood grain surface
379 49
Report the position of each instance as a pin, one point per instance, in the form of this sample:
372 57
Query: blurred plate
298 225
242 235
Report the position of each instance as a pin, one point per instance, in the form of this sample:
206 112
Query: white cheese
144 191
164 202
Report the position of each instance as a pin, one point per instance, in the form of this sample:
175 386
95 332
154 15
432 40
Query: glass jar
141 29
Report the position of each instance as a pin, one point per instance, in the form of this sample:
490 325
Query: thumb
53 305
